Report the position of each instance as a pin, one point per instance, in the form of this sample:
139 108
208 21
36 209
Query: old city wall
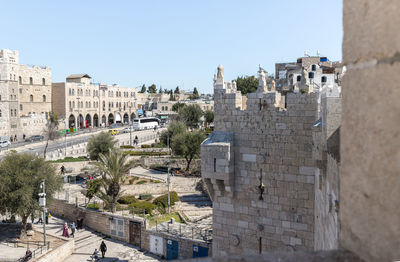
261 145
370 143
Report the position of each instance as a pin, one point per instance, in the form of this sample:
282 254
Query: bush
127 146
145 146
71 159
142 206
156 181
93 206
129 199
141 182
162 201
120 207
145 196
144 153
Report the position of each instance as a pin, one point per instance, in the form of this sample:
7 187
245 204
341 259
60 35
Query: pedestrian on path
73 228
65 230
40 219
103 249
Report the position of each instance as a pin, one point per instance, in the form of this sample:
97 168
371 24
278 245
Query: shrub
129 199
145 146
142 206
141 182
162 201
143 153
145 196
127 146
120 207
93 206
156 181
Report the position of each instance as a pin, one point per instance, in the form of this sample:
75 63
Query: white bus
145 123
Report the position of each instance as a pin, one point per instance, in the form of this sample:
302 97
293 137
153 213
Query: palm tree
113 168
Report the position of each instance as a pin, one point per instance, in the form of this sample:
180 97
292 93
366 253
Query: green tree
187 144
160 91
174 128
171 96
208 117
152 89
195 94
143 90
177 90
247 84
191 115
113 168
20 179
93 189
177 106
100 144
51 130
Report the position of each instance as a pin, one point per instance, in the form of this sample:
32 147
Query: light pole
79 116
65 136
42 203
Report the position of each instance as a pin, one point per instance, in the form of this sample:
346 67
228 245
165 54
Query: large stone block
370 29
370 153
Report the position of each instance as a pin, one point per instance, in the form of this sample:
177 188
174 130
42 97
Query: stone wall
60 253
370 143
147 162
185 245
271 146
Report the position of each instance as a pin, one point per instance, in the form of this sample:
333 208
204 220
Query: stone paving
86 241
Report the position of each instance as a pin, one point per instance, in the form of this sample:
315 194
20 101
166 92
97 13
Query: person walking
40 219
62 169
73 228
65 230
103 249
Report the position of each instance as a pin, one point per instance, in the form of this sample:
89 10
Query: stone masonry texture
370 143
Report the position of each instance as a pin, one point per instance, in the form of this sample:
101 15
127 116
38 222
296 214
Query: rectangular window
215 165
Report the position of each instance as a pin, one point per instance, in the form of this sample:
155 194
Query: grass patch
141 182
145 153
164 218
70 159
142 207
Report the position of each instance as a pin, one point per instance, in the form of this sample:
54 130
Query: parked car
127 129
113 132
5 143
34 138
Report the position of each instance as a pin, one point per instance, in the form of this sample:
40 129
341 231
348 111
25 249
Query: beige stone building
85 104
25 96
261 163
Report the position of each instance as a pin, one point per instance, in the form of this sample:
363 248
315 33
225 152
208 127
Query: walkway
86 241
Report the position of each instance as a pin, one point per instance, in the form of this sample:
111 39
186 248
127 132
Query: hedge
162 201
126 200
142 206
93 206
145 196
145 153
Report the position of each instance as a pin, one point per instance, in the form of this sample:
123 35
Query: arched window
0 112
20 107
298 78
313 67
44 98
43 81
73 91
323 79
30 80
20 80
310 75
31 98
73 104
166 108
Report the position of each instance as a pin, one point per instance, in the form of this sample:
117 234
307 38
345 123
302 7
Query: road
38 147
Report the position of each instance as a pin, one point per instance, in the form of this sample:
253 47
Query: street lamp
42 203
168 179
65 135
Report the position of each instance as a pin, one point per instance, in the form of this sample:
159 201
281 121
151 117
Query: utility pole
65 135
168 179
42 203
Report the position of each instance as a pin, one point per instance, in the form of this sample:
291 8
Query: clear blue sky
168 43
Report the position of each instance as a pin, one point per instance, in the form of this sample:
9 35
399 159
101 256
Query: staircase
195 206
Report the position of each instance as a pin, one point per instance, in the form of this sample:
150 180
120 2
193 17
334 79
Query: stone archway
126 118
95 120
104 120
88 121
110 119
71 121
118 118
80 121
